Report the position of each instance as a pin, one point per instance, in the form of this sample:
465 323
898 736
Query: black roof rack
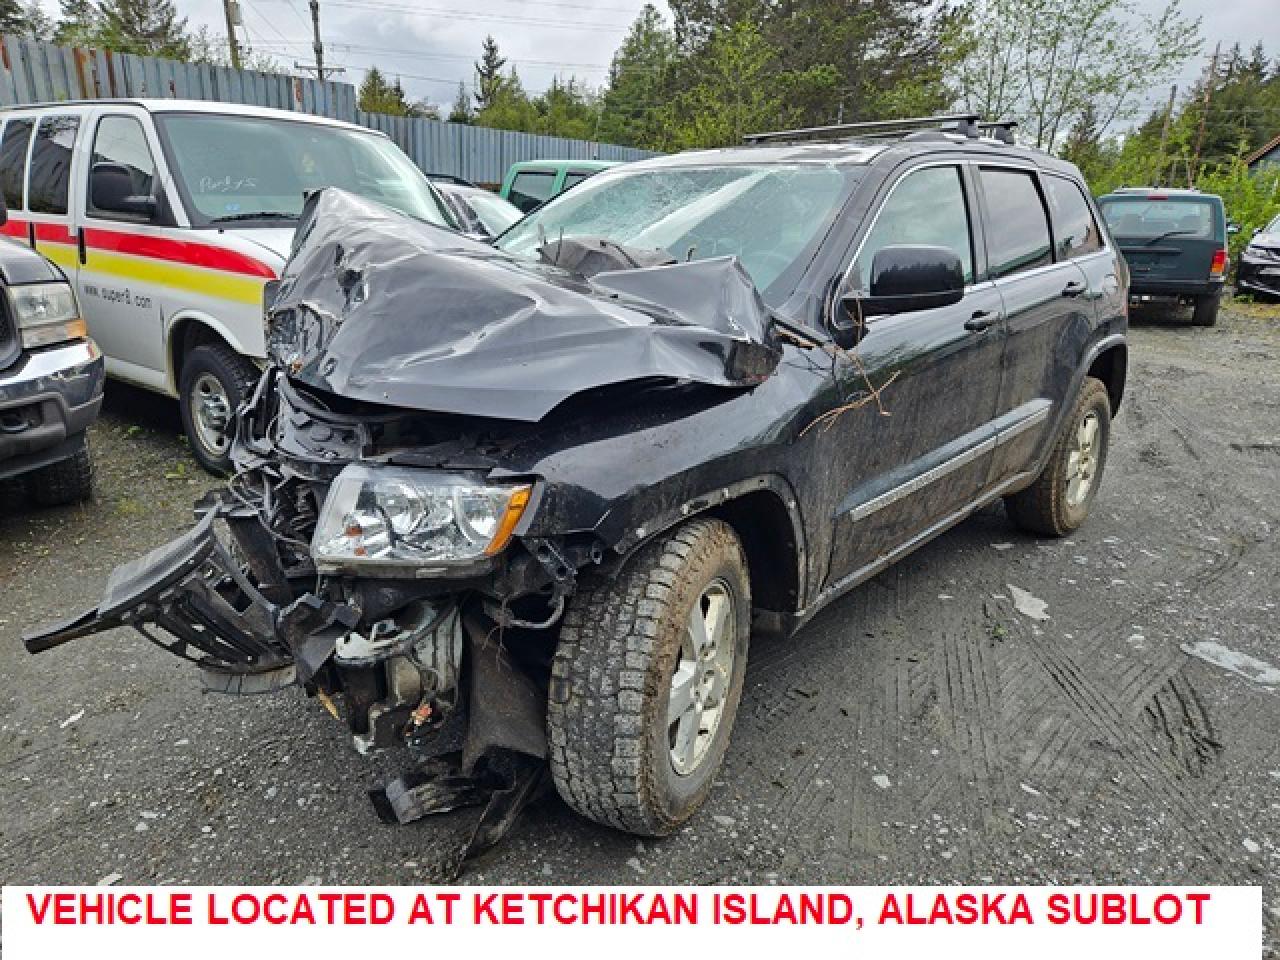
964 124
1001 130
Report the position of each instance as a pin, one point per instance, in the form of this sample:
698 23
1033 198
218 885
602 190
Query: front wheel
646 681
215 381
1059 499
65 482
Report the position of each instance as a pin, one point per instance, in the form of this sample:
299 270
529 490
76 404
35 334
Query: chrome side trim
884 561
922 480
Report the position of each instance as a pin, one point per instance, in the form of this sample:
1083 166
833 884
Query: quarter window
927 207
13 162
528 190
1074 229
51 164
122 142
1018 227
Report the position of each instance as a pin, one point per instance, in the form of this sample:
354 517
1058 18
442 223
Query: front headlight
46 313
399 517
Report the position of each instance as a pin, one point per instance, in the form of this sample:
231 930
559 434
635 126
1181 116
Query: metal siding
33 72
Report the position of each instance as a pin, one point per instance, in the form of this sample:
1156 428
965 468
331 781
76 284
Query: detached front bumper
48 398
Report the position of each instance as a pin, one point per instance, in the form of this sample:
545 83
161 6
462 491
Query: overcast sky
431 44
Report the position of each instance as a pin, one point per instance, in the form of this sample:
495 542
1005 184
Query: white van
171 215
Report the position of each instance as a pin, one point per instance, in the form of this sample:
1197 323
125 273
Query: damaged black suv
518 507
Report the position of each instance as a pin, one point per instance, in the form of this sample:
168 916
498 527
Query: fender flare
703 503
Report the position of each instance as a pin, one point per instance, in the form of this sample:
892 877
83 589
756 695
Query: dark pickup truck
51 377
517 507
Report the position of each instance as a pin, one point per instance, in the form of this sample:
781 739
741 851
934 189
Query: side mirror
1232 228
904 278
111 190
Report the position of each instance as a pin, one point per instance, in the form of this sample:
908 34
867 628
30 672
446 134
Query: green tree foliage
490 82
632 108
146 27
78 23
377 96
1043 62
461 111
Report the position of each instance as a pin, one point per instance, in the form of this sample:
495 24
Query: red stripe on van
154 248
177 251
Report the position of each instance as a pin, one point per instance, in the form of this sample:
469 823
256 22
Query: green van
1175 242
531 183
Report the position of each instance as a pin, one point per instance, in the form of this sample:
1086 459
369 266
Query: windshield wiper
1169 233
256 215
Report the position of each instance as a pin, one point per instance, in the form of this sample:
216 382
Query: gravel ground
923 730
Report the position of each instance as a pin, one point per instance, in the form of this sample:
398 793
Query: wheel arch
190 329
1111 365
764 514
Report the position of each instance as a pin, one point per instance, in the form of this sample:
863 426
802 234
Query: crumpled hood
376 306
275 240
1269 240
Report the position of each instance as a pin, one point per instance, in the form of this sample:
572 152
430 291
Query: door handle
981 320
84 258
1073 289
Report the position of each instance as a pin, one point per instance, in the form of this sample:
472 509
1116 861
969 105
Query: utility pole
1193 170
232 9
317 45
1164 132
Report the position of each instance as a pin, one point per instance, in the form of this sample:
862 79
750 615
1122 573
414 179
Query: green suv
1175 242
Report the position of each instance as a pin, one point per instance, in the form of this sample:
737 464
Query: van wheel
215 381
646 681
64 482
1206 310
1059 499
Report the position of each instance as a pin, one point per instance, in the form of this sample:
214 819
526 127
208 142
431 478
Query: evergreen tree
145 27
78 24
489 79
39 26
461 111
13 18
378 96
632 108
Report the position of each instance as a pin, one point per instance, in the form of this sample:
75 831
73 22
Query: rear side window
13 162
1074 229
51 164
1018 231
573 179
122 142
926 207
1143 219
530 189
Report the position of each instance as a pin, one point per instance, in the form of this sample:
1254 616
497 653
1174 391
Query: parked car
531 183
169 216
1259 269
477 212
51 377
536 531
1175 242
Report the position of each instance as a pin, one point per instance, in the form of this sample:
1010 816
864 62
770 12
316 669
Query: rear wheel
646 681
1205 313
64 482
1059 499
215 381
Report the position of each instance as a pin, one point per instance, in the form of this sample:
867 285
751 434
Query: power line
453 14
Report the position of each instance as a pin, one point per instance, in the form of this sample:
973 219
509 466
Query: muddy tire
1059 499
215 381
1205 311
64 482
642 700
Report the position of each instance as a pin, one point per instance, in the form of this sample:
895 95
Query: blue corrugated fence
34 72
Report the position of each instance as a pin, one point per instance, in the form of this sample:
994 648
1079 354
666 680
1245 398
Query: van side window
121 142
13 162
51 164
1074 229
573 178
1018 231
530 189
926 207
